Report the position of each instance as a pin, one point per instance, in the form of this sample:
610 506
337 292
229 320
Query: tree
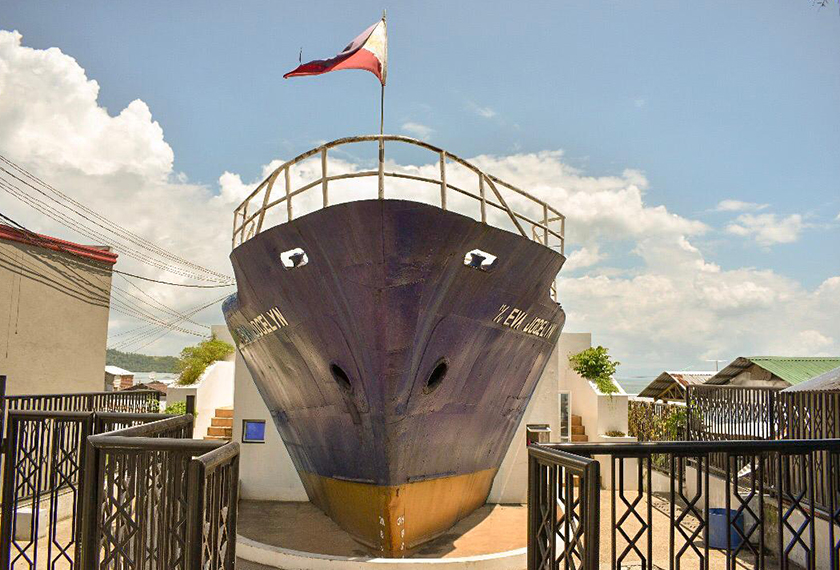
194 360
595 365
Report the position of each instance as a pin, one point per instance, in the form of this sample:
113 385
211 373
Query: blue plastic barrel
718 526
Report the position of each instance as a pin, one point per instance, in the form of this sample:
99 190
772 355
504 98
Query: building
117 378
773 371
54 313
670 386
827 382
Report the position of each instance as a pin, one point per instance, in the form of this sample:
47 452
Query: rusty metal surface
386 297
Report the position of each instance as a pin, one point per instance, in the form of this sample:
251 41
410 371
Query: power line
123 306
188 269
65 220
138 240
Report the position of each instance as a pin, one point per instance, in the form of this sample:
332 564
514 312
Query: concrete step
577 420
220 431
578 430
577 438
221 422
224 412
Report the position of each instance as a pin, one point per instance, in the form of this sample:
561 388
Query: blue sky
712 101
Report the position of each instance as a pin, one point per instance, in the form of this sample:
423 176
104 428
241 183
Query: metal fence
44 454
133 401
726 413
737 532
154 499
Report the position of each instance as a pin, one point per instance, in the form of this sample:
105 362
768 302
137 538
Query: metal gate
43 475
43 454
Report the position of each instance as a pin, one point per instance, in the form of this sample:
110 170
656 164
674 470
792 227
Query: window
253 431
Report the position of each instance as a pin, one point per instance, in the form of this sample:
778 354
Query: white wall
266 472
214 388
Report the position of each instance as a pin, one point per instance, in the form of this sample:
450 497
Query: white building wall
266 471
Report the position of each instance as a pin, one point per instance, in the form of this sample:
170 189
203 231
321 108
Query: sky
692 146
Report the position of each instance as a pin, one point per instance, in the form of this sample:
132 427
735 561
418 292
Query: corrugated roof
828 382
668 378
99 253
791 369
117 371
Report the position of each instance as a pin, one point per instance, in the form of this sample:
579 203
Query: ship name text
518 320
265 323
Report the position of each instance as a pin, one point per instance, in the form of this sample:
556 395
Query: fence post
87 429
2 407
773 415
8 511
195 515
88 546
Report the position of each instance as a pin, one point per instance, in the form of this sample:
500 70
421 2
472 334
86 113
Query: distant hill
140 362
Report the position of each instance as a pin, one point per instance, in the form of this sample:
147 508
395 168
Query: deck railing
249 217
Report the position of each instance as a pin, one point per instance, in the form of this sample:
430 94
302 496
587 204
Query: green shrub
595 365
194 360
178 408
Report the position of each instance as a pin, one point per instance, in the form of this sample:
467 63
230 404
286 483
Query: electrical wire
109 225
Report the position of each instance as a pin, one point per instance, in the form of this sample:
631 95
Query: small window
294 258
253 431
478 259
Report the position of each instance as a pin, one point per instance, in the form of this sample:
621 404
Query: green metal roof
796 369
791 369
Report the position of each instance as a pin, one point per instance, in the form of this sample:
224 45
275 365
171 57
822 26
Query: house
153 385
670 386
54 314
117 378
773 371
827 382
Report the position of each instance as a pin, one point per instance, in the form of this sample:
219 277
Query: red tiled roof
9 233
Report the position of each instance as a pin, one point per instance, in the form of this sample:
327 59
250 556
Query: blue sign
253 431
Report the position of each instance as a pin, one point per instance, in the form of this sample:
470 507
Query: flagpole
382 126
382 143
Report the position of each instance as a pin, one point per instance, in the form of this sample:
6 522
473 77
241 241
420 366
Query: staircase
578 430
221 425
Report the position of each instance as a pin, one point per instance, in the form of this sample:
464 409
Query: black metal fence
155 499
133 401
44 453
726 413
731 520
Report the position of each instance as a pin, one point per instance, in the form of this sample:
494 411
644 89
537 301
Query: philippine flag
368 51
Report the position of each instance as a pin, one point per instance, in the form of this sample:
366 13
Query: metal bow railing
250 215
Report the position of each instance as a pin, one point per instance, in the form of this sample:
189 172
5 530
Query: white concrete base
287 559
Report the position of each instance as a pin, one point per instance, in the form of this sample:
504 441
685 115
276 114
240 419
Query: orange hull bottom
392 520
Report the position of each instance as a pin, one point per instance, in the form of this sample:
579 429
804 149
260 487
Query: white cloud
583 257
419 130
837 219
767 229
655 301
639 102
739 206
484 112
